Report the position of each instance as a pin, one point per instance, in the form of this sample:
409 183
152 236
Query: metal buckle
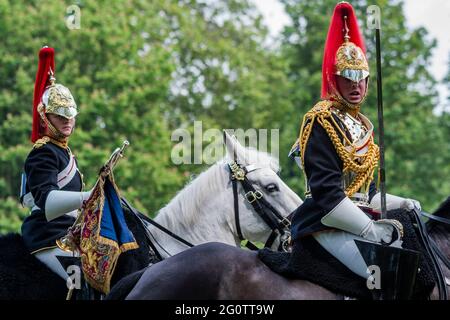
286 242
250 196
286 223
258 194
253 196
237 172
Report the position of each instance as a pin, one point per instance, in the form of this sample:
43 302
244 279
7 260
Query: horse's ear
229 143
234 149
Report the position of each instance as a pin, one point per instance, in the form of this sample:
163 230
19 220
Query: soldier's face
351 91
63 125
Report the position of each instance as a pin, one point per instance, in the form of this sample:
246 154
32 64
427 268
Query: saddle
309 261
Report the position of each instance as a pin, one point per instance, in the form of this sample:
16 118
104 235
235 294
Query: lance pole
382 170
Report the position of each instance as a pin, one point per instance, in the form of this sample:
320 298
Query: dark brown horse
219 271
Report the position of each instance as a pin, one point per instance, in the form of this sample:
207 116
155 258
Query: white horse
203 211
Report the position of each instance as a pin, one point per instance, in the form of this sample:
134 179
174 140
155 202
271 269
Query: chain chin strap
55 132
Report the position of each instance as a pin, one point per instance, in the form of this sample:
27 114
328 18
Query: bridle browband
279 225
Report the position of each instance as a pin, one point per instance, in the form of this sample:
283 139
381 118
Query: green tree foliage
119 70
138 70
414 139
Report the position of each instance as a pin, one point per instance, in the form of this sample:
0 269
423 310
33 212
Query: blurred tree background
141 69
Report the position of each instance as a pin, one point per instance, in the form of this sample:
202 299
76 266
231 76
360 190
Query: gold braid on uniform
42 141
363 165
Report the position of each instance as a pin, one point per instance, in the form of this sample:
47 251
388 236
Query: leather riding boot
393 270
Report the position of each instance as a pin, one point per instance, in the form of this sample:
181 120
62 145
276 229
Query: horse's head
205 210
261 200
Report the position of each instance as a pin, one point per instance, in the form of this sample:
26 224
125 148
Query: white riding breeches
342 246
48 257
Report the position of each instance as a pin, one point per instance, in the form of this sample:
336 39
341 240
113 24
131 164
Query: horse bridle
433 250
279 225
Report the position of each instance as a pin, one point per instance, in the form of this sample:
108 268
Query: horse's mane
213 180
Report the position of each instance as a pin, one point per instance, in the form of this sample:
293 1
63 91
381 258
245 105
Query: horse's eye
272 187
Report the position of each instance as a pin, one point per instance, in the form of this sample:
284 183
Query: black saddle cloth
24 277
22 274
309 261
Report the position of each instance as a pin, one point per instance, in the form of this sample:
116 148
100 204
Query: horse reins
445 221
141 218
277 223
433 250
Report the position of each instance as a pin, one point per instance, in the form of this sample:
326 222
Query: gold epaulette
321 107
40 142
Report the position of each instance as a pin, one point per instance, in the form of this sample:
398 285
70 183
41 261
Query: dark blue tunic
42 167
323 169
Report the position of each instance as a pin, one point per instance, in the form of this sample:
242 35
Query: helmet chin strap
54 133
343 104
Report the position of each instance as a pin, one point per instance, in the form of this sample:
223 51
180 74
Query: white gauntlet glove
381 231
348 217
394 202
60 202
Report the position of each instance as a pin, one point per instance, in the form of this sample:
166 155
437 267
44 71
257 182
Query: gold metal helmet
343 57
49 98
57 99
351 62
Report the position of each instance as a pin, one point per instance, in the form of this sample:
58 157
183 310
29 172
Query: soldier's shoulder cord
41 142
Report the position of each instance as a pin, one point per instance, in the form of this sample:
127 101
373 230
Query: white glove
394 202
60 202
86 195
379 231
410 204
348 217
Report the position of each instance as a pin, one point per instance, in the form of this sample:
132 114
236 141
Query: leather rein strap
141 217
